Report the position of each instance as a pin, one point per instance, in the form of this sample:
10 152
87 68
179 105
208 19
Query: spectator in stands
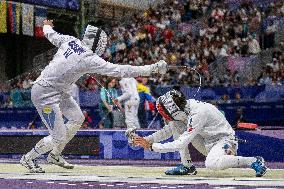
238 97
2 101
91 84
73 4
223 51
146 108
108 93
277 53
226 80
253 45
218 13
281 75
17 96
88 121
239 117
3 87
265 79
269 35
32 124
276 79
168 35
27 82
8 103
274 65
236 79
225 98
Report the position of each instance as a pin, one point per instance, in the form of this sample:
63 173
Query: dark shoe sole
262 173
194 173
31 171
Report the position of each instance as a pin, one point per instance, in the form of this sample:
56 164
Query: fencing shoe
182 170
59 160
31 165
259 167
40 170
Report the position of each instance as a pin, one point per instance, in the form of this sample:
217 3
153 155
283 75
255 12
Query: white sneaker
58 160
39 169
31 165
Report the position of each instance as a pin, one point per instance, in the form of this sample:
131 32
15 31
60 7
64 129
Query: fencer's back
215 124
66 67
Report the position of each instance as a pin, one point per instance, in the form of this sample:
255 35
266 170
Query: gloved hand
160 67
130 135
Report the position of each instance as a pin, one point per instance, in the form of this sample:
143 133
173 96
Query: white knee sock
43 146
185 157
60 144
72 129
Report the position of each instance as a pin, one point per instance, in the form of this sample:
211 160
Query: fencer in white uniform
206 128
130 98
50 93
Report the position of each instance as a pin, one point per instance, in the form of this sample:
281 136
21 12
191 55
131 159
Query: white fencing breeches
52 106
222 155
131 114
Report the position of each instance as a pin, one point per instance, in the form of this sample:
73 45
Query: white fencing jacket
204 119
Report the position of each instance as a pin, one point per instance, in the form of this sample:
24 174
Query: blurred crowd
214 31
273 72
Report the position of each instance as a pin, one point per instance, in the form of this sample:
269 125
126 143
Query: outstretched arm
174 146
95 64
55 38
160 135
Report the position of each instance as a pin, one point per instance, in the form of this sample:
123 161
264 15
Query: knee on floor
214 164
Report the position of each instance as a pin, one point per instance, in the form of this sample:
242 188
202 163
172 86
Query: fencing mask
95 39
